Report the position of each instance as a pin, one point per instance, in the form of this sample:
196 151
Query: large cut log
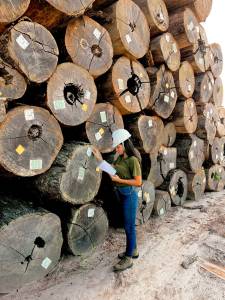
164 94
196 184
74 177
12 84
127 86
222 154
146 199
86 229
30 243
185 116
220 125
72 7
129 29
32 49
89 45
169 135
161 163
30 141
184 80
217 98
216 153
164 49
12 10
215 178
201 8
190 152
162 203
99 127
156 14
204 85
216 62
176 185
147 133
185 27
72 99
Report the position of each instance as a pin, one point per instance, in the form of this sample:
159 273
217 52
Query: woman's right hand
97 154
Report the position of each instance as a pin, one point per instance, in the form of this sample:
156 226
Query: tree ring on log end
12 10
72 7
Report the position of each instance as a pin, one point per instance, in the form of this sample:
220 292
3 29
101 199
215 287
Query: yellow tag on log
101 131
20 149
97 170
84 107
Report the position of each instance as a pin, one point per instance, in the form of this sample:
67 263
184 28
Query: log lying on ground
190 152
74 176
217 98
164 94
146 199
176 185
32 49
86 229
169 135
89 45
147 133
220 125
216 62
204 85
215 178
164 49
127 86
161 163
185 116
201 8
12 10
72 99
196 184
99 127
30 243
156 14
162 203
129 29
30 141
184 80
12 84
184 27
72 7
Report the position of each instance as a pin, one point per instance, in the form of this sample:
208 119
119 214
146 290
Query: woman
128 176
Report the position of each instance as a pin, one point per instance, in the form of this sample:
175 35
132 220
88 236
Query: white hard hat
119 136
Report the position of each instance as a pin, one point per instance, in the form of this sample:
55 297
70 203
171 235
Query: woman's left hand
115 178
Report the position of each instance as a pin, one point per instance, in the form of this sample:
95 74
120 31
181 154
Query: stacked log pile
73 72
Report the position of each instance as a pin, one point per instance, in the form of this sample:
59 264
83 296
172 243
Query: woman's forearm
131 182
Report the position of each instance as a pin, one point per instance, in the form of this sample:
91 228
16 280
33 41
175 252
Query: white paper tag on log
190 26
192 104
147 197
140 193
22 42
166 98
172 190
195 143
120 84
59 104
189 88
46 263
128 38
161 211
172 165
204 180
81 174
103 116
161 16
97 33
201 61
165 152
29 114
168 38
91 212
197 29
87 95
128 99
98 136
150 123
191 155
35 164
172 94
89 152
174 47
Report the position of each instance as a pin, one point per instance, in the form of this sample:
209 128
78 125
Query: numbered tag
103 117
81 174
87 95
172 94
20 149
166 98
91 212
98 136
161 211
174 47
140 194
128 99
150 123
167 38
128 38
29 114
172 165
35 164
22 42
59 104
46 263
101 131
120 84
97 33
147 197
89 152
189 88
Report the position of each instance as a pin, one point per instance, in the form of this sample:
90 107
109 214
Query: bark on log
99 127
72 7
127 86
162 203
74 177
72 99
204 85
86 229
164 49
146 199
185 80
217 98
190 152
185 116
10 11
30 243
129 29
176 185
156 14
169 134
12 84
32 49
89 45
30 141
216 61
201 8
196 184
147 133
215 178
161 163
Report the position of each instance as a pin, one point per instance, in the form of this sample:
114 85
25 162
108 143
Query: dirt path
163 244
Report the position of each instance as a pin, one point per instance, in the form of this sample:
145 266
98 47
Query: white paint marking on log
204 180
195 143
165 151
22 42
29 114
46 263
189 88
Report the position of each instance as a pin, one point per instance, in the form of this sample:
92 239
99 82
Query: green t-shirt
127 168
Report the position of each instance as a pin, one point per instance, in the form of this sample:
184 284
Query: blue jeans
129 198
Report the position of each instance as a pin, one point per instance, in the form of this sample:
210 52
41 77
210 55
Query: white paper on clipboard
106 167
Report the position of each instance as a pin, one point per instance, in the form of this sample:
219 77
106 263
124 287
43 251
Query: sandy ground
164 243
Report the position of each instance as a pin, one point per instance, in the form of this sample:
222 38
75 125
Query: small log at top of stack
12 10
71 7
217 97
204 86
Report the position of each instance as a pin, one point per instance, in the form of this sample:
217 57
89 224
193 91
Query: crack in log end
132 26
96 50
39 242
73 93
180 188
34 132
134 84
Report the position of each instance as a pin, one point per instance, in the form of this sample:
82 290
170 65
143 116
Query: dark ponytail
131 150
